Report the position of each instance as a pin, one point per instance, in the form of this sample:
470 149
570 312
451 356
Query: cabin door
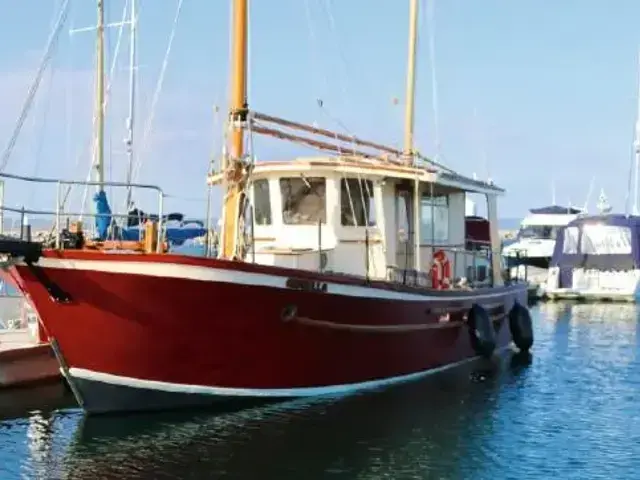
405 244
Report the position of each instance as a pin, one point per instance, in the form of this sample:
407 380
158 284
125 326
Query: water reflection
402 431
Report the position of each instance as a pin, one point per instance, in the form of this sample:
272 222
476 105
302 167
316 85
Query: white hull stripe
222 275
116 380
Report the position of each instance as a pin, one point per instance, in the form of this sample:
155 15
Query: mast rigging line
272 132
385 150
324 132
156 95
431 33
52 42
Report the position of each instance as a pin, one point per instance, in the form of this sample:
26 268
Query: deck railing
58 214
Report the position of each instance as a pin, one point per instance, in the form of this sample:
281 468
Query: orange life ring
440 271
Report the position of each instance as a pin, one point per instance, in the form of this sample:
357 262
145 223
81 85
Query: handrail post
253 234
1 207
160 223
320 245
58 202
22 232
366 249
474 265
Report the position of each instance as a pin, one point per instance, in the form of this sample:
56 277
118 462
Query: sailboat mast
411 79
408 134
233 162
99 107
636 149
132 97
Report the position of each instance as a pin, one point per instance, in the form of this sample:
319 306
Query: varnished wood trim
372 241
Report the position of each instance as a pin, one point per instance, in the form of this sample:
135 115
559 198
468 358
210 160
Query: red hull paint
215 334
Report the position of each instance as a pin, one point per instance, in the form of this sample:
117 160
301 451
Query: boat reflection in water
363 434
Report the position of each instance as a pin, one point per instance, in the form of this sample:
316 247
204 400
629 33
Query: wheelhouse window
304 200
261 202
544 232
434 219
357 208
570 241
605 240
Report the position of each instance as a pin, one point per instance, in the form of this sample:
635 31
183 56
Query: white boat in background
536 238
597 258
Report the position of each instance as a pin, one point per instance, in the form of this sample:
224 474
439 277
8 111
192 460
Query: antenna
636 148
589 193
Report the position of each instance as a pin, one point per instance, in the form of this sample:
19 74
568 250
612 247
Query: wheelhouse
381 221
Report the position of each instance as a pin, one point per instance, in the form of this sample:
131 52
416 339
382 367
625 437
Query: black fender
481 331
521 327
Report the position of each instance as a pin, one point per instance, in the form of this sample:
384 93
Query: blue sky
527 92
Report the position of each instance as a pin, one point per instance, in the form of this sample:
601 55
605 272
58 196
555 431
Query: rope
40 142
314 49
431 30
49 50
156 94
343 59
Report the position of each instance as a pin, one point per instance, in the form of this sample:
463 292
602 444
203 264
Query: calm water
573 411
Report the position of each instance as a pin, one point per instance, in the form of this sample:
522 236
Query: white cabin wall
296 246
305 236
299 260
273 241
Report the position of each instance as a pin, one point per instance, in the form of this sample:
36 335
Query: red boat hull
161 331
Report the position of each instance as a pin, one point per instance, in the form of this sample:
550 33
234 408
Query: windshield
605 240
546 232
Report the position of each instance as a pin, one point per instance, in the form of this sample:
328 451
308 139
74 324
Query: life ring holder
440 270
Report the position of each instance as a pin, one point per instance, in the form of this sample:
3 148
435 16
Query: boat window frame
312 184
353 193
576 246
259 203
626 238
437 208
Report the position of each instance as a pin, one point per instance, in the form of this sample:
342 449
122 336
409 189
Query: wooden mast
408 150
232 166
99 106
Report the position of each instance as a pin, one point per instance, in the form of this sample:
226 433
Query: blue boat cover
603 256
174 235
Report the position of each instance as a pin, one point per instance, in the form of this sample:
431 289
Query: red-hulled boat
327 295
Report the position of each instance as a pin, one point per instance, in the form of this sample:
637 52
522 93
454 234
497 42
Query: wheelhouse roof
371 167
